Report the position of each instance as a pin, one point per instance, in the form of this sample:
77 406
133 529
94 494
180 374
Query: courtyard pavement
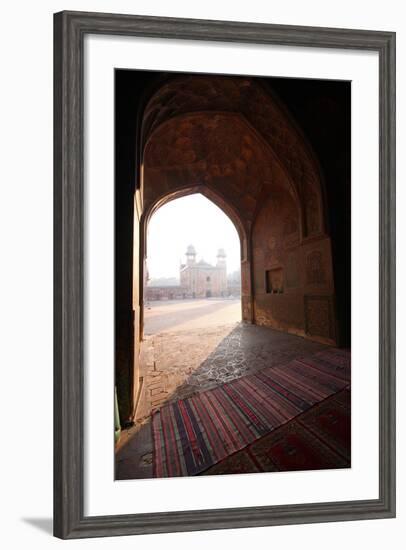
180 315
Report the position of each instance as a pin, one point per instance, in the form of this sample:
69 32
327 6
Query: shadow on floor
245 350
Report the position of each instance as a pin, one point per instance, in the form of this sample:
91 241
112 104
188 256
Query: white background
26 286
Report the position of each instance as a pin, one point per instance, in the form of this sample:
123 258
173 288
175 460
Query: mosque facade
199 279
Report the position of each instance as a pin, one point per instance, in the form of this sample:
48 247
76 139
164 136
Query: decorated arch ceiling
217 150
229 134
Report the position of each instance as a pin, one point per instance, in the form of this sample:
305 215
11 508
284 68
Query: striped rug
193 434
317 439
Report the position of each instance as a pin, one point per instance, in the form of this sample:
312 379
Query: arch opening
192 259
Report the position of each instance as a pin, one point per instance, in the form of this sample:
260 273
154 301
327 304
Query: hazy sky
189 220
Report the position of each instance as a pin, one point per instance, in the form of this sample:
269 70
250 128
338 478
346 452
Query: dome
221 253
191 249
203 263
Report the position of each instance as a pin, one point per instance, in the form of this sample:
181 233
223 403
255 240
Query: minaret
221 263
221 258
190 255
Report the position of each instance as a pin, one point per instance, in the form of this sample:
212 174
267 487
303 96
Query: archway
228 213
192 252
231 140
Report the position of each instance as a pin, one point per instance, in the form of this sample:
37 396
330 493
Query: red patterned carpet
317 439
256 413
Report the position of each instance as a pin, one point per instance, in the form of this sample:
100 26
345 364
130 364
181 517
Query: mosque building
199 279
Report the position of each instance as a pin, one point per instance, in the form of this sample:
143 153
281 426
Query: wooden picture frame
69 518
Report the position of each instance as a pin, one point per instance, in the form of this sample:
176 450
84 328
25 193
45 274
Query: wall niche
274 281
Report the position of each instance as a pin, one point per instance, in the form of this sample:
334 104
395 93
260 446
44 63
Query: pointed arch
213 195
228 210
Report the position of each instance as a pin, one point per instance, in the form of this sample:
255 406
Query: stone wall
155 293
293 278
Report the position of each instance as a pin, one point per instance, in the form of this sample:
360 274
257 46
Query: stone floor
178 364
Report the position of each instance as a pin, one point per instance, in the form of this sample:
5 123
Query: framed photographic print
224 274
